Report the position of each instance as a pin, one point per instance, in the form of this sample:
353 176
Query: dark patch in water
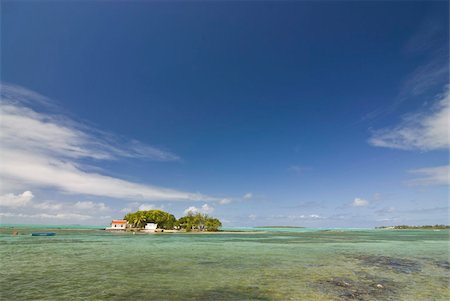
399 265
230 294
366 287
443 264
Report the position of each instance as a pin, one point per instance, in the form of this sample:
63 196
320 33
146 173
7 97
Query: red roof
119 221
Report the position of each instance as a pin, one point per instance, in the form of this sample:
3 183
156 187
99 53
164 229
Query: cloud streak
44 171
357 202
23 207
205 208
423 131
47 150
14 201
431 176
24 127
247 196
425 77
60 216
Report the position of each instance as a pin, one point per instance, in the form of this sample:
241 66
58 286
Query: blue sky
320 114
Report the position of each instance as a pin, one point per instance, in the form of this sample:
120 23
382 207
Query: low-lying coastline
407 227
280 227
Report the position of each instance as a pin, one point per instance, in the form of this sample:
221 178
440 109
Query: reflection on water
293 264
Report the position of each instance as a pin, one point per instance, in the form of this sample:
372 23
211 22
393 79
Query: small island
280 227
407 227
161 221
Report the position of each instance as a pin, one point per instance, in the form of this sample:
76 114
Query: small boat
43 234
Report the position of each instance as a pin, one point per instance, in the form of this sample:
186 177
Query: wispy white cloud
44 150
384 211
247 196
423 131
314 216
429 176
27 125
25 129
377 196
431 34
19 95
27 200
16 200
23 208
144 207
88 205
298 169
205 208
421 211
429 77
147 206
48 206
45 171
425 77
299 217
358 202
191 209
125 210
224 201
61 216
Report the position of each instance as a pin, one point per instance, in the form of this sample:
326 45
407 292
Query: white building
150 227
118 224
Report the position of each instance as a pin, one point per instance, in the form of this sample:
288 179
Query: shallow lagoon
269 264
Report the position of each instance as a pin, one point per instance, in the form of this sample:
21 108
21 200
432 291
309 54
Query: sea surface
82 263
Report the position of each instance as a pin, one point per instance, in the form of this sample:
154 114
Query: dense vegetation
139 219
199 222
415 227
165 220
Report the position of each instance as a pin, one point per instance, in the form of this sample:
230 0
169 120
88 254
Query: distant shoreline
138 231
280 227
407 227
226 230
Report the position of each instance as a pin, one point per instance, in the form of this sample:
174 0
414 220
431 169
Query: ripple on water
95 265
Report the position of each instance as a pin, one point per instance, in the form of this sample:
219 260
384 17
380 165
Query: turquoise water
269 264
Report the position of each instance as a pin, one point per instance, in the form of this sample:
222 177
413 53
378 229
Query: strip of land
281 227
406 227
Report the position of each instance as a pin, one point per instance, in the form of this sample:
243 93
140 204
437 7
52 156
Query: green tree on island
167 221
164 220
200 222
213 224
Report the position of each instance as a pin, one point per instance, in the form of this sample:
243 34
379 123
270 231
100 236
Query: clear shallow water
291 264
